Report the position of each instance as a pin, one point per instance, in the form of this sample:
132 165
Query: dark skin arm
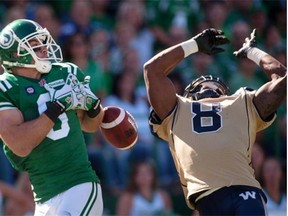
269 96
160 89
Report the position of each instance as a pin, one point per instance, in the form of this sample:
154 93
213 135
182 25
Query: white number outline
64 129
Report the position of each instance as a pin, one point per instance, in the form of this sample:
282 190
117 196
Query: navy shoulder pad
154 119
248 88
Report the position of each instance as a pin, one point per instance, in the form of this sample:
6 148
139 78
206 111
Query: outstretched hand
249 43
209 40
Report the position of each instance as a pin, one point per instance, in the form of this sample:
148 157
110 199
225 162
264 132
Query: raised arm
270 95
160 89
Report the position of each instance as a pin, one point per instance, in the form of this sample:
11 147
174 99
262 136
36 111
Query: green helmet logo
6 39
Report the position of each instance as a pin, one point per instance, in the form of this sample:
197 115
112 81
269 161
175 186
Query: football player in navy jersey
211 132
44 106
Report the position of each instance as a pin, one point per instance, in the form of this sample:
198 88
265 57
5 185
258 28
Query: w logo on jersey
248 194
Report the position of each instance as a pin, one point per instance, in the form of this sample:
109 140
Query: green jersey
60 161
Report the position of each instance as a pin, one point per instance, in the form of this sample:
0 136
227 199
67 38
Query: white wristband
255 54
189 47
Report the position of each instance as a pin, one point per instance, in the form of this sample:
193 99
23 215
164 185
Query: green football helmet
15 50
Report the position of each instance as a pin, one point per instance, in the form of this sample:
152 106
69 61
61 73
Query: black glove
209 39
249 43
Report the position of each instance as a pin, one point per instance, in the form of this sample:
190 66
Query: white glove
89 102
69 95
249 43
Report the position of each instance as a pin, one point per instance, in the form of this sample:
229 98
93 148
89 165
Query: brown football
119 127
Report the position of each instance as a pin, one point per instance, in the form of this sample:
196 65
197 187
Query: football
119 127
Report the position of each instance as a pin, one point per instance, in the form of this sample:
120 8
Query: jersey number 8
206 117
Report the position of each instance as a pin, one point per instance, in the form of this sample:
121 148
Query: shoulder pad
69 67
242 90
248 88
154 118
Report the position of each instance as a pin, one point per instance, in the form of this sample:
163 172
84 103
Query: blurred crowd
111 40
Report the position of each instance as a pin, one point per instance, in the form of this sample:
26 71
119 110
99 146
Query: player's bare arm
88 124
160 89
269 96
22 137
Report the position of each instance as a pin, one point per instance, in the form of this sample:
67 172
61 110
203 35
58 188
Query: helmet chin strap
41 66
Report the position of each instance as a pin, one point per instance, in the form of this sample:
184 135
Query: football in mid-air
119 127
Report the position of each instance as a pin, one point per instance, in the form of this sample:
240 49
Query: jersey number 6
64 129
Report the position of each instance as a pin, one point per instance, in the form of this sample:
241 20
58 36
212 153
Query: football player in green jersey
44 106
210 132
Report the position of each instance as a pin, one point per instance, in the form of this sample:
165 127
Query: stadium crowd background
110 41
